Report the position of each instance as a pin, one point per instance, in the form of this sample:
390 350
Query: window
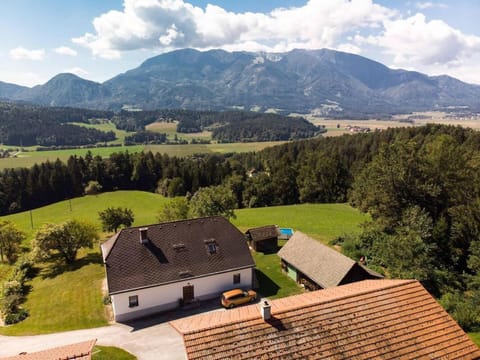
212 248
236 278
133 301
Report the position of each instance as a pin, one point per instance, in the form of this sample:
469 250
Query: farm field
86 275
337 127
28 159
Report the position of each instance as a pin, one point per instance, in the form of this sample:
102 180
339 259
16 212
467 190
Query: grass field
321 221
144 205
71 297
29 158
107 126
110 353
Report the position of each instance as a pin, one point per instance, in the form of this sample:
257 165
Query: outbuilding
263 238
317 266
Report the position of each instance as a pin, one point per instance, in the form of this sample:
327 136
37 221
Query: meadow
32 157
70 297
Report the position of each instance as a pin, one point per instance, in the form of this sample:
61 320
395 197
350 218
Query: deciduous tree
213 200
66 238
176 209
10 239
113 218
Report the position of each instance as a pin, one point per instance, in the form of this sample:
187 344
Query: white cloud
77 71
416 41
65 50
20 53
429 5
170 24
349 48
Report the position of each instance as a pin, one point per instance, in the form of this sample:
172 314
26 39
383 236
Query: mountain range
324 82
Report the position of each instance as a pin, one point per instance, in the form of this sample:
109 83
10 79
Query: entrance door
188 294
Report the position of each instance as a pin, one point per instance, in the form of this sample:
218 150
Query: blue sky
97 39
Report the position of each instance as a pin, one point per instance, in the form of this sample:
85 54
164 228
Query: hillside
324 82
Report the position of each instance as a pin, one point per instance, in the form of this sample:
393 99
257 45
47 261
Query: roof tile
364 320
77 351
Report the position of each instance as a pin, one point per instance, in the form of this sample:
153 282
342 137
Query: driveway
151 338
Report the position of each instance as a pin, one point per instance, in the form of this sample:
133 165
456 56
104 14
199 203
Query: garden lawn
110 353
475 336
323 222
273 283
64 298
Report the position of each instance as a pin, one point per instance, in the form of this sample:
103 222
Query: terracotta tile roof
263 232
174 251
78 351
324 265
370 319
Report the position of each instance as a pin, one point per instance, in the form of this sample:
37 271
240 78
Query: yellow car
236 297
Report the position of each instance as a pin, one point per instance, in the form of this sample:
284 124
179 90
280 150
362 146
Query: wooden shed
317 266
264 238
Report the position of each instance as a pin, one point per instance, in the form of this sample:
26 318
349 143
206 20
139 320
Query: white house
159 267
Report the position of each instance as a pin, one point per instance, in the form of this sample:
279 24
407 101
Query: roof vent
179 247
143 235
265 309
185 274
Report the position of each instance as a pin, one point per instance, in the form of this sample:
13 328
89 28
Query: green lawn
273 283
110 353
144 205
475 337
324 222
64 298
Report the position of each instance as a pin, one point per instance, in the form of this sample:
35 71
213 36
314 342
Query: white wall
165 297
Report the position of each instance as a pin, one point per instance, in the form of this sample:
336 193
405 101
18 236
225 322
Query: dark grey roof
175 251
263 232
324 265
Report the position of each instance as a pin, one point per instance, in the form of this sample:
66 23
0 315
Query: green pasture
144 205
29 158
70 297
323 222
107 126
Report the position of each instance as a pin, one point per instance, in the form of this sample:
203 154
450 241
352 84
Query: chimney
265 309
143 235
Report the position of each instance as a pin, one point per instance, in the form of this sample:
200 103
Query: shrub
15 317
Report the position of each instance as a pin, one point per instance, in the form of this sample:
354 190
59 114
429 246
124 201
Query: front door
188 294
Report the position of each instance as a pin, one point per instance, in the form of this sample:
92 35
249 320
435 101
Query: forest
226 126
421 186
25 125
28 125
